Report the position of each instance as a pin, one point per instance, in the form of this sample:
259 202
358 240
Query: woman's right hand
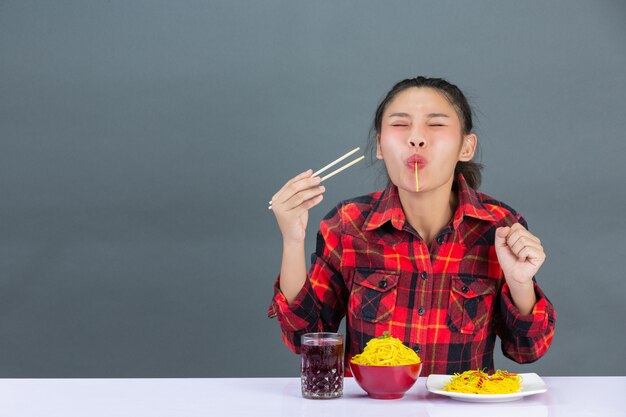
292 202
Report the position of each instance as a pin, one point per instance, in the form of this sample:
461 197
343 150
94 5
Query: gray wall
141 140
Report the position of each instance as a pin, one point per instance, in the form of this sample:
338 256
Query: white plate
531 384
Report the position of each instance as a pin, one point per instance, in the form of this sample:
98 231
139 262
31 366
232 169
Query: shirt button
424 275
440 240
416 348
465 289
382 284
421 311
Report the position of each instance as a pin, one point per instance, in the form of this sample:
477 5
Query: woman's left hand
519 253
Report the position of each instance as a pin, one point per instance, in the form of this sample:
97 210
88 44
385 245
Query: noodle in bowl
386 368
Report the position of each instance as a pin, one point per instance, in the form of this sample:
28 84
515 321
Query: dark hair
470 169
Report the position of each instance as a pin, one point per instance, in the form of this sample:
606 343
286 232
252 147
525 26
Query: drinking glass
321 370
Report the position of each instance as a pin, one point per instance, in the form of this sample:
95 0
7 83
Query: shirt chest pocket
470 303
373 295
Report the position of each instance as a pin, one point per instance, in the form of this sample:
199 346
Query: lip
416 159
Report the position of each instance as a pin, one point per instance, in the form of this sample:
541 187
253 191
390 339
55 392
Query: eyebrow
429 116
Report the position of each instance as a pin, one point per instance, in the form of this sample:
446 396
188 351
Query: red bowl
386 382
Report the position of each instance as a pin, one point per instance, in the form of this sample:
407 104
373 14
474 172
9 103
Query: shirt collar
389 209
470 204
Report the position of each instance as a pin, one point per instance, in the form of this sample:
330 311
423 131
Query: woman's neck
429 212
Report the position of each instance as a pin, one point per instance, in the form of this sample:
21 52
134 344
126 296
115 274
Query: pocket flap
470 287
381 281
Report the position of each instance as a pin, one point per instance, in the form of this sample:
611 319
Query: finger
519 228
521 249
501 235
298 177
307 205
303 196
515 239
534 255
517 225
518 240
518 233
296 187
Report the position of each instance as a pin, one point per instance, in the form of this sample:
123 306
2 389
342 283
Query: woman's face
419 126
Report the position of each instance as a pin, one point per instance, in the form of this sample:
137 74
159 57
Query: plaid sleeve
525 338
320 304
301 317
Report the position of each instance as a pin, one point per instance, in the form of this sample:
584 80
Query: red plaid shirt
447 302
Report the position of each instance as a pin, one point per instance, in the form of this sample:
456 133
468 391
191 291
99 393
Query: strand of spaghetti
417 186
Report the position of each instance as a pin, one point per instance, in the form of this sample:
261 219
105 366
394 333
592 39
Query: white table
221 397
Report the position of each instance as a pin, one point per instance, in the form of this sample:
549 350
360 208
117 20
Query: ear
468 147
379 151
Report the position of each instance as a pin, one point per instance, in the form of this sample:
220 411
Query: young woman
436 263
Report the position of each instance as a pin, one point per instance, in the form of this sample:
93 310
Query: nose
416 136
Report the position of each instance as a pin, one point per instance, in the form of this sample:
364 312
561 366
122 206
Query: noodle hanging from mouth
417 184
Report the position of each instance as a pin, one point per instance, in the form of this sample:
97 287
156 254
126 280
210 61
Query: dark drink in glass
322 365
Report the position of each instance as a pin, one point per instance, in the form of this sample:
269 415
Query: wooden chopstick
336 161
337 171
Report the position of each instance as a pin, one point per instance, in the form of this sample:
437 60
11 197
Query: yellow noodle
479 382
386 351
417 187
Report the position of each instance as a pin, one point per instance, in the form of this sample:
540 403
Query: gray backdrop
141 140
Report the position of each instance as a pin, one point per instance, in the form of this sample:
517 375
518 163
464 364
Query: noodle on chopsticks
386 351
479 382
